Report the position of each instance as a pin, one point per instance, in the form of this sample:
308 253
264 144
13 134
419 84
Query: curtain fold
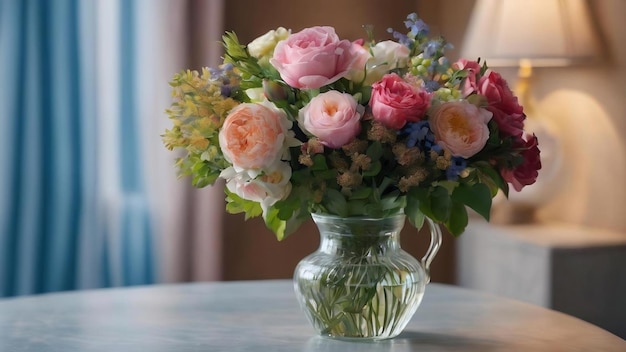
42 161
89 196
74 204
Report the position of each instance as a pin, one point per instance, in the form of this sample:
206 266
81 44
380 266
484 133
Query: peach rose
460 127
333 117
253 136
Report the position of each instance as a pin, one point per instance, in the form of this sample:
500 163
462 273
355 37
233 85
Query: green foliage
236 205
378 174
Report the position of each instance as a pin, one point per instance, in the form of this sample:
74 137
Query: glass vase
360 284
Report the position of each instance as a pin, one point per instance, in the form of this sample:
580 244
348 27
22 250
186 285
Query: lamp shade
544 32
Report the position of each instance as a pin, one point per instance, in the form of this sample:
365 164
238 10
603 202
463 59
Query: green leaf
477 197
448 185
374 210
335 202
384 184
373 170
491 177
361 193
287 207
326 174
319 163
413 213
274 223
357 207
439 203
294 223
457 221
375 151
393 201
236 205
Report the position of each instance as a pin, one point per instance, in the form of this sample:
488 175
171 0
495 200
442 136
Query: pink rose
472 68
460 127
253 136
332 117
361 55
507 112
526 173
313 57
395 102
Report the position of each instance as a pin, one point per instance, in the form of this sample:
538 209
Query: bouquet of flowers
301 123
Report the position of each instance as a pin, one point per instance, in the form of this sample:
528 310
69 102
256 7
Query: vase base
372 339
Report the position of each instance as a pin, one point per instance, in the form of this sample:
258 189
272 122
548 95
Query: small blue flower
416 25
431 48
457 165
225 91
216 73
431 85
437 149
419 135
221 72
401 38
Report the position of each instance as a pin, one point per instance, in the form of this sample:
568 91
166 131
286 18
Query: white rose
267 188
386 56
263 46
256 95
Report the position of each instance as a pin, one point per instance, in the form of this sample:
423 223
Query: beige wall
347 16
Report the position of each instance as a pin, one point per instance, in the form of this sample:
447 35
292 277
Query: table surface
265 316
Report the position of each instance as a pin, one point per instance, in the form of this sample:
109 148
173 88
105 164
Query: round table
264 316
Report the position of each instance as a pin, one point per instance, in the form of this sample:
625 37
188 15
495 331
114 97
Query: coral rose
313 57
332 117
395 102
460 127
253 136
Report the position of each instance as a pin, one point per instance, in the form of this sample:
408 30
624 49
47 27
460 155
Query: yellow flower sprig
197 113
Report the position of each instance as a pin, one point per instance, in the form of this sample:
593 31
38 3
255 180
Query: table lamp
527 34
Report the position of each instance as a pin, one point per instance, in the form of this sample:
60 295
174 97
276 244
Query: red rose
508 124
525 173
395 102
507 112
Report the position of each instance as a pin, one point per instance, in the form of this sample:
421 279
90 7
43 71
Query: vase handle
435 244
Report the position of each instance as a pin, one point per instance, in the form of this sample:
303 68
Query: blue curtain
55 228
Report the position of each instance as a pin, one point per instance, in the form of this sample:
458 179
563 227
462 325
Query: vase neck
359 245
359 236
